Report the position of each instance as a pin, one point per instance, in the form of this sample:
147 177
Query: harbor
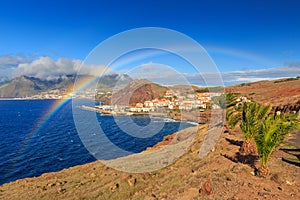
107 110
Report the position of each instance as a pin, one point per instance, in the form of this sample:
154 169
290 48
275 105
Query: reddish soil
277 92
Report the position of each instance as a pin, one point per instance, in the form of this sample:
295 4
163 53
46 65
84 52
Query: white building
148 104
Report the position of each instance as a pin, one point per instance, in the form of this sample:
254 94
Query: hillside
138 91
184 89
20 87
221 175
276 92
25 86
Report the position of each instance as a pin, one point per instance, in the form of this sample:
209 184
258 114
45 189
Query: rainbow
238 54
57 105
53 109
85 83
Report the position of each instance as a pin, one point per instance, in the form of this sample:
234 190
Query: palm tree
230 100
270 134
226 102
252 116
232 116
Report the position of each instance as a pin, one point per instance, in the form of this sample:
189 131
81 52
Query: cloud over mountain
47 68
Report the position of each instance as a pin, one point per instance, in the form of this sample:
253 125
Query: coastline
177 138
194 118
155 115
182 179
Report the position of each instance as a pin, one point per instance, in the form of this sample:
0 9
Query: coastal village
173 100
170 101
51 94
199 101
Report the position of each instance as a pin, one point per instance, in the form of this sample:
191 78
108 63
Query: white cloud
251 79
47 68
166 76
12 61
263 74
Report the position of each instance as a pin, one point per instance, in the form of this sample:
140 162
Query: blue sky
239 35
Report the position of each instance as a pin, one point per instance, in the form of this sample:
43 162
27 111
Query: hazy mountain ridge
26 86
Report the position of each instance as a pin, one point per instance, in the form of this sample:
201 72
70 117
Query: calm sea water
29 147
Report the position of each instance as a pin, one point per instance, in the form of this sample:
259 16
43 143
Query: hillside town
173 100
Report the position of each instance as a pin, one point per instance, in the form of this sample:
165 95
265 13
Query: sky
240 36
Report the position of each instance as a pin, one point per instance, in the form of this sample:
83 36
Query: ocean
35 141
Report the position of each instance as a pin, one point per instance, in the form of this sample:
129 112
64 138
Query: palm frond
271 133
253 115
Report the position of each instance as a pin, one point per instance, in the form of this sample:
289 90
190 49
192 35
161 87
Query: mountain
138 91
112 81
184 90
26 86
19 87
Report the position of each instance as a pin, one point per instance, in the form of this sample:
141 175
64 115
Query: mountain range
26 86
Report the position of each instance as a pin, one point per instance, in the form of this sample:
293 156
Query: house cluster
173 100
51 94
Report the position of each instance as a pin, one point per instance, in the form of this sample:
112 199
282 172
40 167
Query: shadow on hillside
234 142
295 162
293 152
245 159
286 150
